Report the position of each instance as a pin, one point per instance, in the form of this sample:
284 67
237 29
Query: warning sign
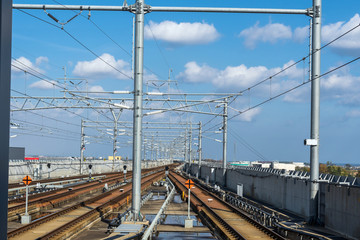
189 183
27 180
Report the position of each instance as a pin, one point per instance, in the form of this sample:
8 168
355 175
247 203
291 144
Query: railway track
34 183
68 221
40 203
227 221
59 191
48 200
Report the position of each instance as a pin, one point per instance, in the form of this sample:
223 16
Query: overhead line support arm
148 9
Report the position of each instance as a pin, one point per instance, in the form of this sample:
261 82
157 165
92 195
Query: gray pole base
25 219
189 223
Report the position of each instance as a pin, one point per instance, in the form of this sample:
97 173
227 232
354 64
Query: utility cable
247 145
51 118
106 34
78 41
50 82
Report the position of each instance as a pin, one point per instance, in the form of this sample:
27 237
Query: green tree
347 166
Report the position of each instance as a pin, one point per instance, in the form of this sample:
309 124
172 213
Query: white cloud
97 68
301 94
349 44
300 34
247 116
353 113
41 60
195 73
345 82
45 85
271 32
343 87
96 88
25 64
349 41
183 33
235 78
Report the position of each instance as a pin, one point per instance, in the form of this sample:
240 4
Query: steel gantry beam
139 9
147 9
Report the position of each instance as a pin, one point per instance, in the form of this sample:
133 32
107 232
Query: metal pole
152 148
190 142
5 60
114 145
225 119
144 149
26 200
137 117
200 144
185 152
315 108
189 203
82 147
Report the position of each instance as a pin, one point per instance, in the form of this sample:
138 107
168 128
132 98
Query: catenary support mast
315 108
225 121
137 118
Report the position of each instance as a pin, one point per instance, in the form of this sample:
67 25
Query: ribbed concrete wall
284 193
207 171
339 205
63 168
342 209
219 176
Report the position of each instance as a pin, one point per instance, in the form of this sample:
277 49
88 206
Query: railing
150 229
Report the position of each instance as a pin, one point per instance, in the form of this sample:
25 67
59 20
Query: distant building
288 166
112 158
261 164
240 163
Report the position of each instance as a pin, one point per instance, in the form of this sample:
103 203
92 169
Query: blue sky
207 52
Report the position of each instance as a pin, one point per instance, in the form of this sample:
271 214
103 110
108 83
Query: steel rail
66 210
227 226
148 232
245 216
15 185
83 184
97 210
66 193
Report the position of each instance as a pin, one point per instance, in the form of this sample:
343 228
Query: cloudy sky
206 52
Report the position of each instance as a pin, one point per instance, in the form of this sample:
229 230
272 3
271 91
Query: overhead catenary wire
32 55
51 118
296 87
161 52
30 69
79 42
51 81
271 98
42 125
106 34
48 136
243 142
283 70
